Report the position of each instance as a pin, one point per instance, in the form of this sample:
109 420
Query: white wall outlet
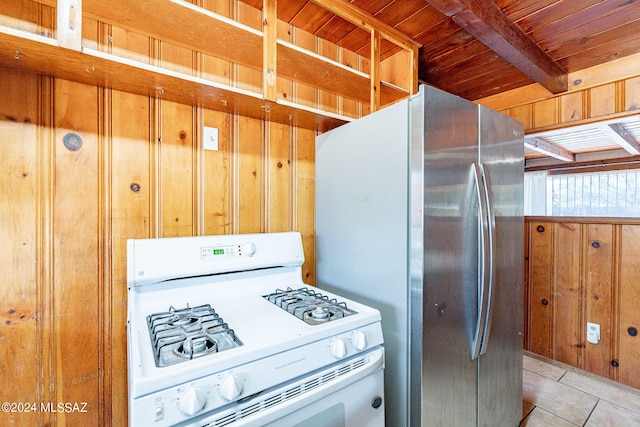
210 136
593 332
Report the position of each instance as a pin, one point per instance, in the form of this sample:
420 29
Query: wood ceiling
479 48
530 39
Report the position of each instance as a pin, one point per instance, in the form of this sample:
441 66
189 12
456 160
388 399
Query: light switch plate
210 136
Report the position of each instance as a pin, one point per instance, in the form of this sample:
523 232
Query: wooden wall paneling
104 254
541 302
526 287
176 58
96 35
629 321
130 211
22 300
218 179
545 113
571 107
602 100
91 37
523 114
620 98
365 67
179 179
278 180
46 19
599 304
568 333
217 171
216 70
632 94
350 107
608 293
45 243
393 69
245 77
304 208
77 283
21 15
305 94
284 87
129 45
248 175
328 101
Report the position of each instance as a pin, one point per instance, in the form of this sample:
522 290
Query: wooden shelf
186 25
41 55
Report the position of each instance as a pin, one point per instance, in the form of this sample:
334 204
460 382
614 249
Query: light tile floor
556 395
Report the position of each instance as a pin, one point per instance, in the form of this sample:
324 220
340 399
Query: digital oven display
216 252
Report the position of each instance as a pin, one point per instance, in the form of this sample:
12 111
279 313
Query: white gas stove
223 331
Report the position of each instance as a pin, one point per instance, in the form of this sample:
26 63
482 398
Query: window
603 194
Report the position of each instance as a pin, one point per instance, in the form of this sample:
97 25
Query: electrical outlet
210 136
593 332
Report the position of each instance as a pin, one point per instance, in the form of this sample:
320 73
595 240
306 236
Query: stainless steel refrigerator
419 214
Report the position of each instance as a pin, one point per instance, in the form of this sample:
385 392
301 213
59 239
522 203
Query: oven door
359 403
346 394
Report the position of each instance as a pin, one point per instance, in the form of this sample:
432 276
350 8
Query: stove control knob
230 388
359 341
338 349
193 401
248 249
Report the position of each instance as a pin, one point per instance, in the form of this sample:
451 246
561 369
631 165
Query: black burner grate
309 305
188 333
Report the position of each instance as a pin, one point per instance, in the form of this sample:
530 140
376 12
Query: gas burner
188 333
195 347
312 307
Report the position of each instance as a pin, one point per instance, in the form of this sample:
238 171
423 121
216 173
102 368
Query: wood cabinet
583 270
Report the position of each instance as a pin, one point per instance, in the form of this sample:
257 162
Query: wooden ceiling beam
485 21
549 149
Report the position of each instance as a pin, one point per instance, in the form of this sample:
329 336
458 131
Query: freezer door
361 231
450 251
500 378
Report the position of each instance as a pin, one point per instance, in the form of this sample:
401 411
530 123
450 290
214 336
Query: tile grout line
591 413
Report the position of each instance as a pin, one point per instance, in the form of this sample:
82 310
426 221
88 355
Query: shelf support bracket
375 70
69 24
269 48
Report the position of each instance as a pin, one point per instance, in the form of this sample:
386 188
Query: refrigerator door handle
483 265
491 219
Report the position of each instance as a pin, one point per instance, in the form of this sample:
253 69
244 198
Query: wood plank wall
141 171
620 98
583 270
605 91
